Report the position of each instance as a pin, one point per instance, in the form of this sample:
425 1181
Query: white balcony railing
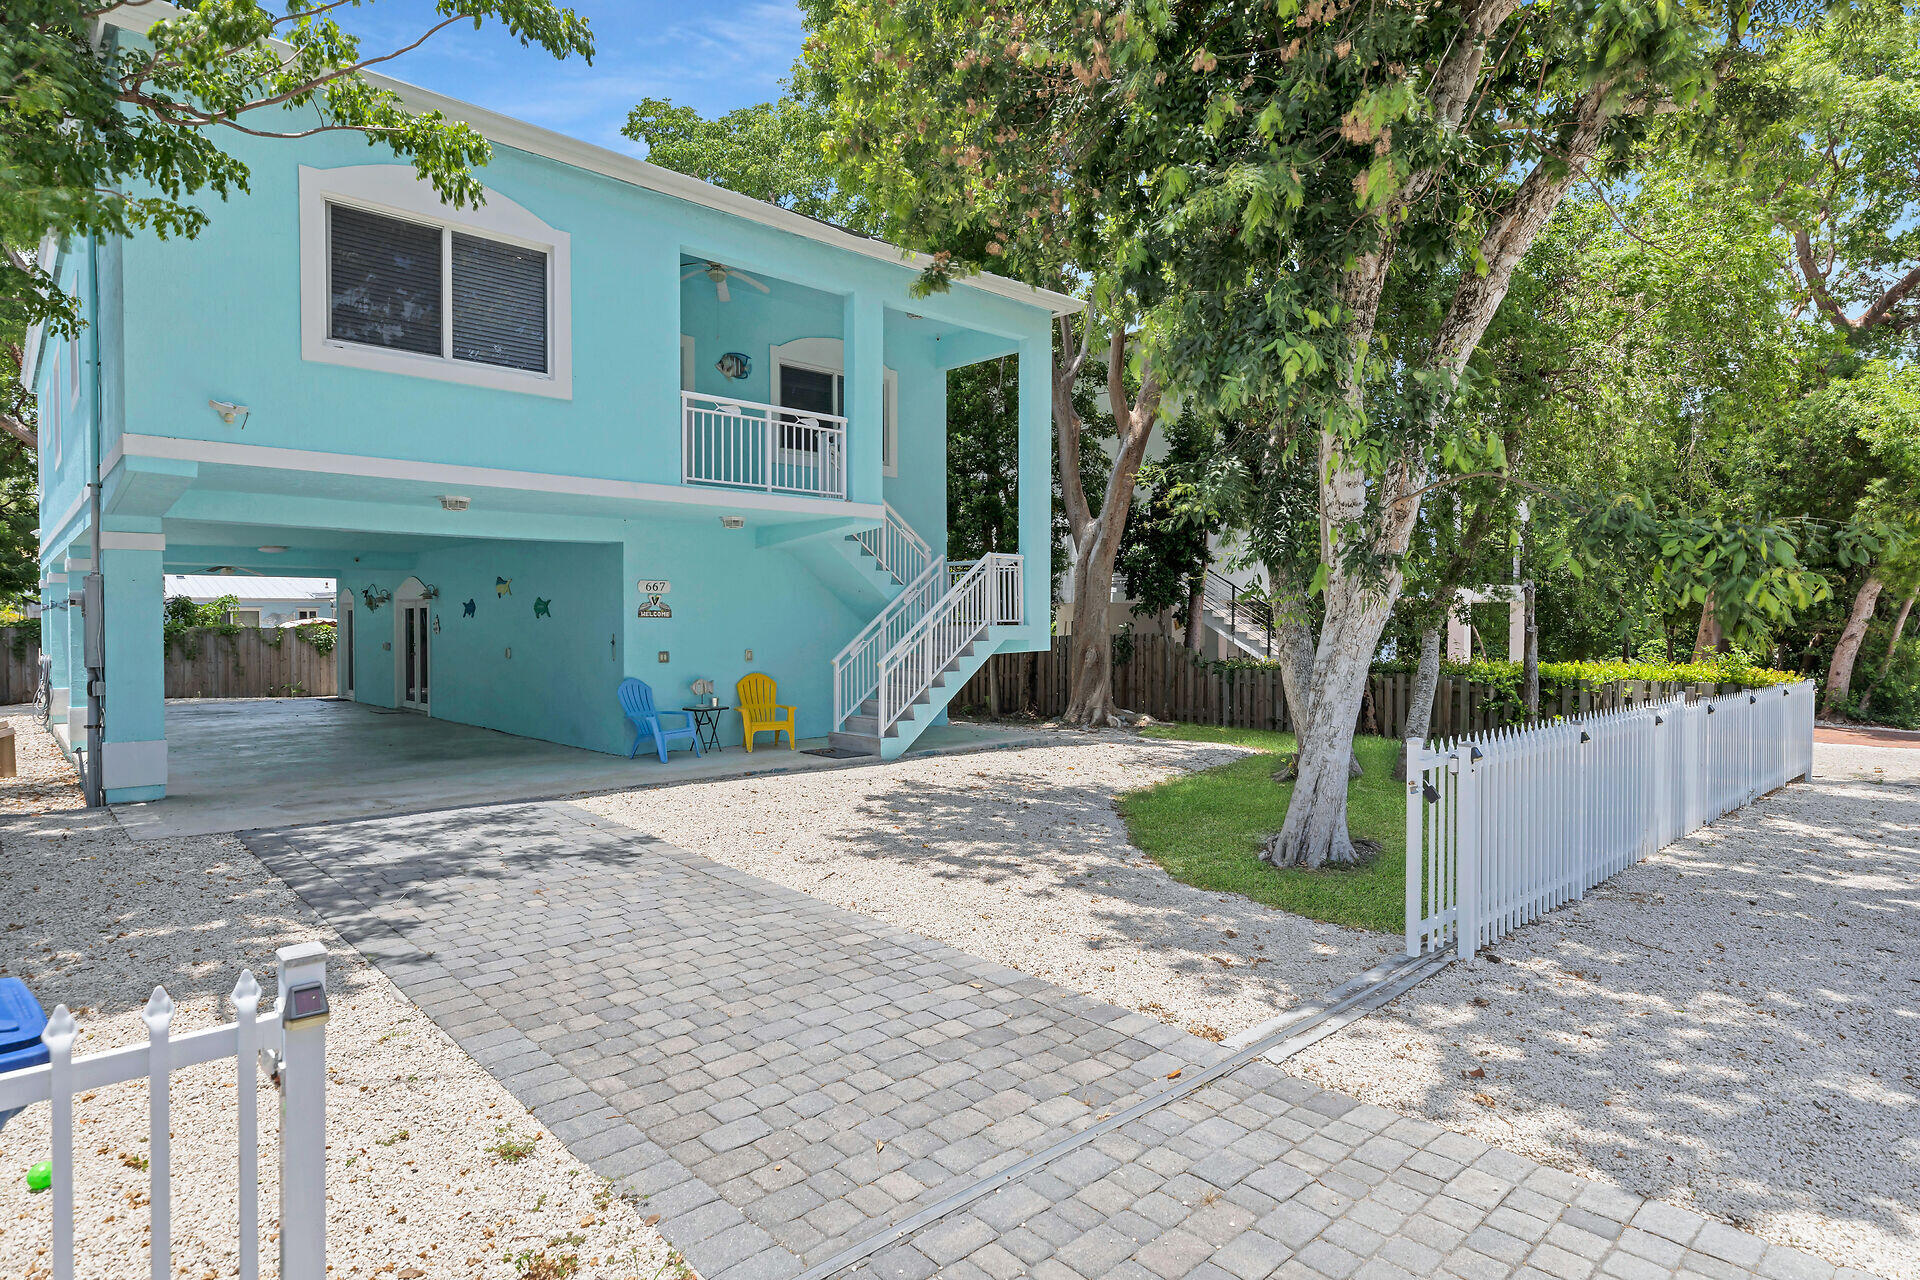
743 444
896 548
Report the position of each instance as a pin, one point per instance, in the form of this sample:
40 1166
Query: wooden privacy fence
1506 825
204 663
291 1036
1162 678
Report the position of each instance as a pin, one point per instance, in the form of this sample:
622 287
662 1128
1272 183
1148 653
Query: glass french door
413 657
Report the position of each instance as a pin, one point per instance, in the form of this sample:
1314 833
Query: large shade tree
980 184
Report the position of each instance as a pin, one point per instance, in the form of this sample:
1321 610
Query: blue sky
712 55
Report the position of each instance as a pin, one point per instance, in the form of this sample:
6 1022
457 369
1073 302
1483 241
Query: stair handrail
976 598
895 547
1220 594
856 668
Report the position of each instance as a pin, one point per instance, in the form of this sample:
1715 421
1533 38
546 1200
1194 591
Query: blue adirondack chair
636 699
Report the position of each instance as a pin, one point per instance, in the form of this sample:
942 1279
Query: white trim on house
48 255
346 636
411 594
507 131
133 764
111 541
687 366
396 190
456 475
828 355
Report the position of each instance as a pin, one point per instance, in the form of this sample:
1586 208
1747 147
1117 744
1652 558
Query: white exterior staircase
1246 624
896 677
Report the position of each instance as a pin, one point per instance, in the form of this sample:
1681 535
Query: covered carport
524 589
247 764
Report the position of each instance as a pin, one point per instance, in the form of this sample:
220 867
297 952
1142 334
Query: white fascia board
138 17
461 476
37 331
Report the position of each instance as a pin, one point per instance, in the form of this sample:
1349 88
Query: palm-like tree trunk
1840 671
1893 647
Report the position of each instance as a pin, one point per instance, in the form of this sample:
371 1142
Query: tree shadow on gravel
1064 835
1732 1023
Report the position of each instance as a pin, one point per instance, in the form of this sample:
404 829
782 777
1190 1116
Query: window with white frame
53 423
73 372
434 291
304 615
890 425
394 280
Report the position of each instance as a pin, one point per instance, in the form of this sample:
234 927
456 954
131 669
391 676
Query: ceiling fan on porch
718 272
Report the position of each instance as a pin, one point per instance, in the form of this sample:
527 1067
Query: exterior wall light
271 551
733 522
454 502
229 412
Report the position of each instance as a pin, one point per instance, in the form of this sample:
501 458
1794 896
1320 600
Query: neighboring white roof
202 587
138 17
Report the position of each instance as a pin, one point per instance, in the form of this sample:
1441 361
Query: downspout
95 588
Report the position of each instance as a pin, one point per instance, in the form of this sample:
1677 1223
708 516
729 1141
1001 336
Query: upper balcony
744 444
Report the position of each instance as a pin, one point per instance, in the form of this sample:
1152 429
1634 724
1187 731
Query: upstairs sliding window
396 284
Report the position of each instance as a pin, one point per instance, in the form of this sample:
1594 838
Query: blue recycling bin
21 1022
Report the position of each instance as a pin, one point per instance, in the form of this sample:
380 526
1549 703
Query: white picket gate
291 1036
1504 826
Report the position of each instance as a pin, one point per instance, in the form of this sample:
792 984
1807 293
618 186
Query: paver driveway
783 1079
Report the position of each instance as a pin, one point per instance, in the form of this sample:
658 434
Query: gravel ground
1019 857
416 1189
1730 1026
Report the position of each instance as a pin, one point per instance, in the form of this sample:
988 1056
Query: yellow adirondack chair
759 713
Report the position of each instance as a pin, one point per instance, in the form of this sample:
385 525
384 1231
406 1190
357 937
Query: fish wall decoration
503 586
734 365
466 610
542 608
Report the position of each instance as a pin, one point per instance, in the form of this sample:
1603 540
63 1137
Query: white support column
303 1112
1467 859
1517 627
1416 848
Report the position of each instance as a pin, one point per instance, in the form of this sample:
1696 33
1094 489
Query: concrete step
865 744
867 726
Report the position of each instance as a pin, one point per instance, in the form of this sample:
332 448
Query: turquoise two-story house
613 422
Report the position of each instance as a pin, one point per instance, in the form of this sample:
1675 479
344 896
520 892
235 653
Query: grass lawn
1206 829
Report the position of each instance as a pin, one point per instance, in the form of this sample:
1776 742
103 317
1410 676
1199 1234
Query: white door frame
344 632
828 355
411 594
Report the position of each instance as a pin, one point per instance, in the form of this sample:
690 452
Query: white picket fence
291 1036
1504 826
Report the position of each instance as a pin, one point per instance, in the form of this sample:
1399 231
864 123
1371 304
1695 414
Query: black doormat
832 753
